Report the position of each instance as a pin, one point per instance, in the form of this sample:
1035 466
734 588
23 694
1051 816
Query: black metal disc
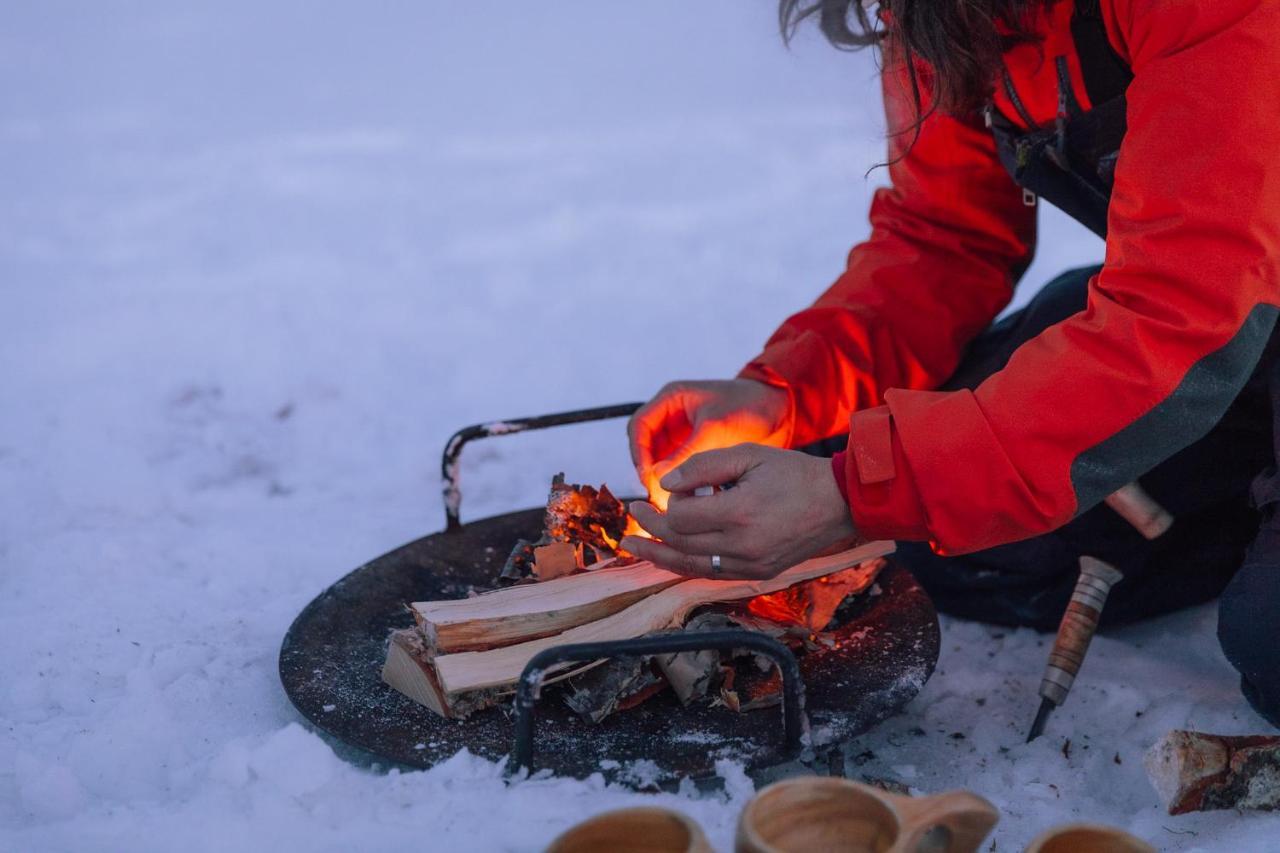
331 661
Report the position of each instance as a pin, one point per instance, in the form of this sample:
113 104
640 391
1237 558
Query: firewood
581 525
408 669
519 613
450 679
1194 771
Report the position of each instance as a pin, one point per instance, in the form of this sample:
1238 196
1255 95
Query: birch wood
468 671
532 611
1195 771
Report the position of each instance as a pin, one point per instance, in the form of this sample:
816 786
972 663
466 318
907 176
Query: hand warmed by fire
582 528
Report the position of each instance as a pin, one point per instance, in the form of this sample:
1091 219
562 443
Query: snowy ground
258 260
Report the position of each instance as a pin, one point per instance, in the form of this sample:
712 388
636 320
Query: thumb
712 468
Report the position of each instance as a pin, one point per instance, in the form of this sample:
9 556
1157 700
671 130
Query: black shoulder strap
1106 76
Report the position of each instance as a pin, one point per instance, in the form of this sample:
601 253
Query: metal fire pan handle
453 449
530 685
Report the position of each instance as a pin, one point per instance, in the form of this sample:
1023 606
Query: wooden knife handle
1077 628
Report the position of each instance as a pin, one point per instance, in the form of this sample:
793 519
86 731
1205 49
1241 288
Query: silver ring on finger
715 564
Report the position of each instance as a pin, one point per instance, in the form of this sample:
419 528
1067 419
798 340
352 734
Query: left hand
784 508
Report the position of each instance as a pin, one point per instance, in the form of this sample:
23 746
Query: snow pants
1223 491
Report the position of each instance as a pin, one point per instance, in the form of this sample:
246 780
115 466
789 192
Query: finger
701 436
651 429
712 468
652 478
656 523
688 514
690 565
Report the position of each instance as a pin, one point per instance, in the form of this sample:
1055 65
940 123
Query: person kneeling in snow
986 449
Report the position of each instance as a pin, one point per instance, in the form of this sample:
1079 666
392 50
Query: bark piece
620 684
556 560
693 675
1195 771
519 564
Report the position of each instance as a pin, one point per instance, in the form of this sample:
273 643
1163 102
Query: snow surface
257 261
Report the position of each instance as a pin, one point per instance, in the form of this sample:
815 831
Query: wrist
777 404
832 499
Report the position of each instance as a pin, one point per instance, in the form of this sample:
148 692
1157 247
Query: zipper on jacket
1014 99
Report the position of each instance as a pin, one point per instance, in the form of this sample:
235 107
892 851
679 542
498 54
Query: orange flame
658 496
810 605
604 534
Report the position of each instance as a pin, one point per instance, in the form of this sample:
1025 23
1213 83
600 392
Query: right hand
685 418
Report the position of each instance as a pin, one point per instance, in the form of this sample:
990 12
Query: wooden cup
637 830
1087 838
815 813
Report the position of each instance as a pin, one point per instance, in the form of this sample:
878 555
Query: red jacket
1174 323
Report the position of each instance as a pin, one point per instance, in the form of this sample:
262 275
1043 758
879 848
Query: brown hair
959 41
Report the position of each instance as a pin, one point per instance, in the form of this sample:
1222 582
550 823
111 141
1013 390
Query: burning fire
633 528
809 605
658 496
606 538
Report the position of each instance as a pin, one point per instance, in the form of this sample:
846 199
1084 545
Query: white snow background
259 260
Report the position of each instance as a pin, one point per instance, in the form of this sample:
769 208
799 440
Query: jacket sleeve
949 239
1174 324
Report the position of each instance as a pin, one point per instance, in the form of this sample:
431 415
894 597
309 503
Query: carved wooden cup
814 813
638 830
1087 838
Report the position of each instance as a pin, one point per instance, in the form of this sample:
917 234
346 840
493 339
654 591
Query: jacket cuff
977 499
877 480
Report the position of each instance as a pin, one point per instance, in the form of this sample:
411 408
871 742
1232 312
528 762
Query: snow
258 261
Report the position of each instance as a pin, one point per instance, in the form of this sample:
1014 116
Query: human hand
685 418
784 508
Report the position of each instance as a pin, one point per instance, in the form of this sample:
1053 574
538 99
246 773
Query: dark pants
1206 486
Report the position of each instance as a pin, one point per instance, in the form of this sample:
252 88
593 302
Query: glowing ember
583 514
809 605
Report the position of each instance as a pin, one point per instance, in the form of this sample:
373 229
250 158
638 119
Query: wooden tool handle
951 822
1134 505
1078 625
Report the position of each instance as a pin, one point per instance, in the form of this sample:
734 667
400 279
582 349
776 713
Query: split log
466 671
520 613
408 669
444 682
1194 771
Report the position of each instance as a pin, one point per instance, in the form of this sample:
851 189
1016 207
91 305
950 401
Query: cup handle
951 822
